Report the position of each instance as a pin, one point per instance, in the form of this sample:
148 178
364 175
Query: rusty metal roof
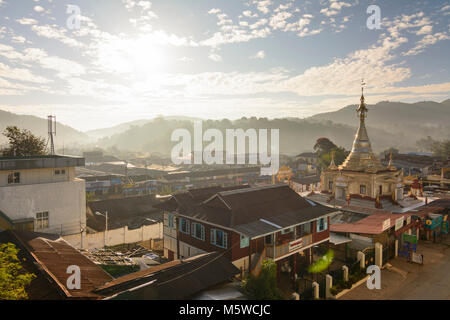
53 255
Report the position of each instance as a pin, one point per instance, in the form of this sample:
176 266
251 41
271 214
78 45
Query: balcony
277 251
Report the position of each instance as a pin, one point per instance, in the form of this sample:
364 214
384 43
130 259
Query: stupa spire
332 164
361 157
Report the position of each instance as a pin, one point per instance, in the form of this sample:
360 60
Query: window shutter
325 223
225 240
213 236
318 225
180 224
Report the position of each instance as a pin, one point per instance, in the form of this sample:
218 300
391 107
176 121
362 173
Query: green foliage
263 287
13 278
339 156
23 143
323 263
323 146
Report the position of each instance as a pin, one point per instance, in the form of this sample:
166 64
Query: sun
139 55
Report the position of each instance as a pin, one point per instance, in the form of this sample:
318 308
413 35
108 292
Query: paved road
412 281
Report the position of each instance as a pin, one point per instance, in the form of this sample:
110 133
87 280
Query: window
321 224
330 185
14 177
184 226
42 220
58 172
268 239
307 228
304 229
245 241
219 238
171 219
362 189
288 230
198 231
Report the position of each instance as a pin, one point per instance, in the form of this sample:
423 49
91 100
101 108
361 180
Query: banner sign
296 244
410 238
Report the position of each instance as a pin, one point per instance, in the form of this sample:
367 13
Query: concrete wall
116 237
65 202
38 176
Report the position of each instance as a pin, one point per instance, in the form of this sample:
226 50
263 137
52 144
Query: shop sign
386 224
410 238
399 223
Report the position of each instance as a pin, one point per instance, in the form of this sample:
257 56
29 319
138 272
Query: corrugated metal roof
179 279
371 225
54 255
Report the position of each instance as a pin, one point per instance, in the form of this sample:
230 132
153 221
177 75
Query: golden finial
391 164
332 164
362 110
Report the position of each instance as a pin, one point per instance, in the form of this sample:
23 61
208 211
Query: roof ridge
252 189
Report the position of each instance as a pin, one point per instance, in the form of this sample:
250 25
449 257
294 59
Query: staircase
257 263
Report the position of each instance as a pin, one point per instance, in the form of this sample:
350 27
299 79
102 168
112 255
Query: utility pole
51 133
106 225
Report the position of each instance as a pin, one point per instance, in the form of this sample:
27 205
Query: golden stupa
362 174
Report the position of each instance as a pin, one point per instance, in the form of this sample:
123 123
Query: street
401 280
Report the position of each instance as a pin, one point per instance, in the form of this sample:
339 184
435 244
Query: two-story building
246 224
41 193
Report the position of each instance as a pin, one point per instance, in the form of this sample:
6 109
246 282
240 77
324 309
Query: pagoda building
362 175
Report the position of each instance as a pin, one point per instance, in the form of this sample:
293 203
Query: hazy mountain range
38 126
389 124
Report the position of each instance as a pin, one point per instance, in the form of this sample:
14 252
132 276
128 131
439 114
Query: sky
99 63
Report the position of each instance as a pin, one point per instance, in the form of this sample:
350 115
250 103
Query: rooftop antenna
51 133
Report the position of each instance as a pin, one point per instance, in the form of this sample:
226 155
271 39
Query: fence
115 237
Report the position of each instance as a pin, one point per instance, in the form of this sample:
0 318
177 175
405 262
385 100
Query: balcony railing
286 248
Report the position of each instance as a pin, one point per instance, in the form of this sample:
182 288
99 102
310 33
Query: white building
42 194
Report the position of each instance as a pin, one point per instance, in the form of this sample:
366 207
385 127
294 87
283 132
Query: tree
441 148
13 278
425 144
23 143
264 286
390 150
339 156
324 145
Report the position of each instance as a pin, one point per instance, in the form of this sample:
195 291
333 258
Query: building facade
247 225
42 194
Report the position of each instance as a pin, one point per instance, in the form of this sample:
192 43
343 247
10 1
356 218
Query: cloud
53 32
263 5
27 21
214 11
278 21
427 41
259 55
215 57
39 9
